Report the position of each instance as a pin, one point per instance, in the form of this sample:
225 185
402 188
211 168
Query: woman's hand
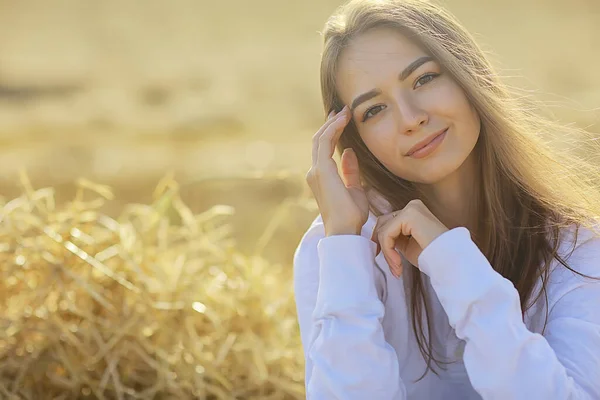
342 200
408 231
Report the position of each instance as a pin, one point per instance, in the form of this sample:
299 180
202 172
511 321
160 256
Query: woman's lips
430 147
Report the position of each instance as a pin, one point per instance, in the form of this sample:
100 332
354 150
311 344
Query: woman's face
400 97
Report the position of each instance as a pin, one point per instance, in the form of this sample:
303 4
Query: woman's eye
371 112
425 79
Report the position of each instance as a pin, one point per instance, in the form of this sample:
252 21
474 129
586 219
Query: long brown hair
527 191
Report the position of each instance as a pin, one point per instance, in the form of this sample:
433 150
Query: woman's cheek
445 97
381 136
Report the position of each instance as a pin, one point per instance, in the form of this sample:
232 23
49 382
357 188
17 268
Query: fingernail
331 114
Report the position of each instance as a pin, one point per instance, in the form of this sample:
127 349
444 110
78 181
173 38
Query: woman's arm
340 314
503 358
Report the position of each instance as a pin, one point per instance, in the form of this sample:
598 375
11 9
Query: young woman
462 259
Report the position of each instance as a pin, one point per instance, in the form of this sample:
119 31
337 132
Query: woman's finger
390 253
380 232
394 265
393 229
327 141
381 221
350 169
331 118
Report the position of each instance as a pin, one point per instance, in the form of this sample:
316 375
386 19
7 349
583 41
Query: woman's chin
434 169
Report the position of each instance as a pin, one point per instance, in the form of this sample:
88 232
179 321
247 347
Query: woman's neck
453 200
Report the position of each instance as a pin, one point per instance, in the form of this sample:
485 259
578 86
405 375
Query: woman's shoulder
581 244
578 233
579 248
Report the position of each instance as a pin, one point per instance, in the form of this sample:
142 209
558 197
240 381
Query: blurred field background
225 97
121 92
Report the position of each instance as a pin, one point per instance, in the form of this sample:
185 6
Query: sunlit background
224 96
121 92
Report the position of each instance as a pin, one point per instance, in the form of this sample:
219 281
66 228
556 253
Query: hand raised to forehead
341 200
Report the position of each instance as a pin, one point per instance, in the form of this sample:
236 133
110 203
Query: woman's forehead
373 57
383 39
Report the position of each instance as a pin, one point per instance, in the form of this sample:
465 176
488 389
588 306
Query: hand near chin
407 231
342 200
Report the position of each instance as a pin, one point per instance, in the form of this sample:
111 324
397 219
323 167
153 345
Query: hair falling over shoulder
528 191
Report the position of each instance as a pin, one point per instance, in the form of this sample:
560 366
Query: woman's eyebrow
364 97
414 65
403 75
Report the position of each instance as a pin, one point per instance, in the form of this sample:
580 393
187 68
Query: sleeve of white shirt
340 314
504 360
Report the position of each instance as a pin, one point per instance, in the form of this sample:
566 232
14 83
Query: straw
156 303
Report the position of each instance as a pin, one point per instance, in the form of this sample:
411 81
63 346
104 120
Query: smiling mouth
423 150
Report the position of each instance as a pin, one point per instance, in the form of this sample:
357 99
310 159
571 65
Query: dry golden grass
156 303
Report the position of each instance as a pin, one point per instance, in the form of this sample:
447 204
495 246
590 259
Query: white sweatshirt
358 338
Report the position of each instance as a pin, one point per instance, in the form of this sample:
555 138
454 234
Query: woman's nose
411 117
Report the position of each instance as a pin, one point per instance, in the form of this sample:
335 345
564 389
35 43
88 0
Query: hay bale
154 304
